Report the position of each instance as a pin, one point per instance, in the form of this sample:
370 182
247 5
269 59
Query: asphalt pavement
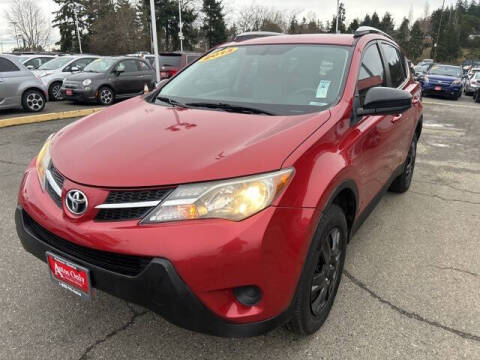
50 107
411 287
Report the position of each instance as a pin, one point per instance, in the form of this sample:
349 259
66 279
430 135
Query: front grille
132 213
123 264
59 179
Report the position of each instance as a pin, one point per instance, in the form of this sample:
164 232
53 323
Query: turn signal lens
234 200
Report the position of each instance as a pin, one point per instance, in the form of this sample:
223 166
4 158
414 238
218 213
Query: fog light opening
248 295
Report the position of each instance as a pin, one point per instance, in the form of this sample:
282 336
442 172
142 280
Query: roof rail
365 30
255 34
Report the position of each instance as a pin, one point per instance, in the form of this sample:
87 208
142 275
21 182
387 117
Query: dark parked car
108 79
171 63
445 80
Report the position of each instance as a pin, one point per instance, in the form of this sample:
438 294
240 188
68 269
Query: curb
22 120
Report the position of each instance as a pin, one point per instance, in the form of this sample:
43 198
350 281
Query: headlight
234 200
43 161
87 82
426 79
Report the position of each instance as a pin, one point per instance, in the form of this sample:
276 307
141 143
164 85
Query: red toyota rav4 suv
224 200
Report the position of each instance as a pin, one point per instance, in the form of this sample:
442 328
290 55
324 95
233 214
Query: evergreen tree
64 20
367 21
214 26
341 20
387 25
375 21
415 44
354 25
403 34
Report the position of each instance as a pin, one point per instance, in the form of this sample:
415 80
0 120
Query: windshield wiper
170 101
230 108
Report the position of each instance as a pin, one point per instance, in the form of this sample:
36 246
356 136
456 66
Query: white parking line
451 105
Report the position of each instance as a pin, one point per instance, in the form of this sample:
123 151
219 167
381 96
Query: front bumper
443 90
158 288
211 257
80 95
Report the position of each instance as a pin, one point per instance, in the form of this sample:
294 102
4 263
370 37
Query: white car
471 82
53 72
33 62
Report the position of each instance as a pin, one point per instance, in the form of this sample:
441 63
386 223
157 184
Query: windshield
100 65
279 79
477 75
56 64
453 71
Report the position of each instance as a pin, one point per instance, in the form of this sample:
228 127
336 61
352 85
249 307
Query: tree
214 27
64 20
403 34
354 25
29 24
415 44
367 21
375 20
341 20
387 25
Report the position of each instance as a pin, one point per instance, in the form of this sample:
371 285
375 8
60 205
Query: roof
326 39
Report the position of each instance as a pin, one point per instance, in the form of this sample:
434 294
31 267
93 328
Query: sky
323 9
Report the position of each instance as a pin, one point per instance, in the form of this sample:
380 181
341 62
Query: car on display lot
173 62
476 93
421 70
53 72
443 80
19 88
107 79
33 62
471 82
225 199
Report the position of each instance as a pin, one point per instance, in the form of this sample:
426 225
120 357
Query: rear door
403 124
373 149
10 79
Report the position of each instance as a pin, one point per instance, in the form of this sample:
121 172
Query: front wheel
55 91
105 96
321 275
33 101
402 183
476 97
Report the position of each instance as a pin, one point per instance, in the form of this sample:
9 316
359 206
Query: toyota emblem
76 202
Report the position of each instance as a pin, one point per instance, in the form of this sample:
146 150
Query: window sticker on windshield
218 54
316 103
322 90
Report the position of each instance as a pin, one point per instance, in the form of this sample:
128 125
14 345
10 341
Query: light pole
338 13
74 8
155 41
435 44
180 25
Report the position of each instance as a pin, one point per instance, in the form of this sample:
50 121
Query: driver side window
372 72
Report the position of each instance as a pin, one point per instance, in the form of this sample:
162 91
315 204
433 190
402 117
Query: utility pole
338 15
435 44
76 28
180 25
155 40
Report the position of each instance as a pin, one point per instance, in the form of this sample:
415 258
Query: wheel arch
28 88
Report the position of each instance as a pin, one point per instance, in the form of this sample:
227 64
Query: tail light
166 74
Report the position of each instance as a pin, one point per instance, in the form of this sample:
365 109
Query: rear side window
397 71
7 66
128 66
372 72
192 58
142 66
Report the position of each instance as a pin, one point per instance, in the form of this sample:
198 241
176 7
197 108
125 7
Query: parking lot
411 287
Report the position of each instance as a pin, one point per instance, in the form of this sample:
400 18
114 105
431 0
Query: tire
319 281
402 183
33 101
476 97
55 92
106 96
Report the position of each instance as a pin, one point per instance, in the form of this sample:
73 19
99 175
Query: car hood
138 144
443 78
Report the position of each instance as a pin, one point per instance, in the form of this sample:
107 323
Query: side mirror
118 71
74 69
30 67
385 101
162 83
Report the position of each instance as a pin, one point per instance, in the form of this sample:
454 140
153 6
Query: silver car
53 72
19 87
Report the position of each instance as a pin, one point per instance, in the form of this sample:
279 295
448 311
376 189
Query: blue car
444 80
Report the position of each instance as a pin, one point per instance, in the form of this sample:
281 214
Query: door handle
396 118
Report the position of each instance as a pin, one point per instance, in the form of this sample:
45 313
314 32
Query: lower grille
123 264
